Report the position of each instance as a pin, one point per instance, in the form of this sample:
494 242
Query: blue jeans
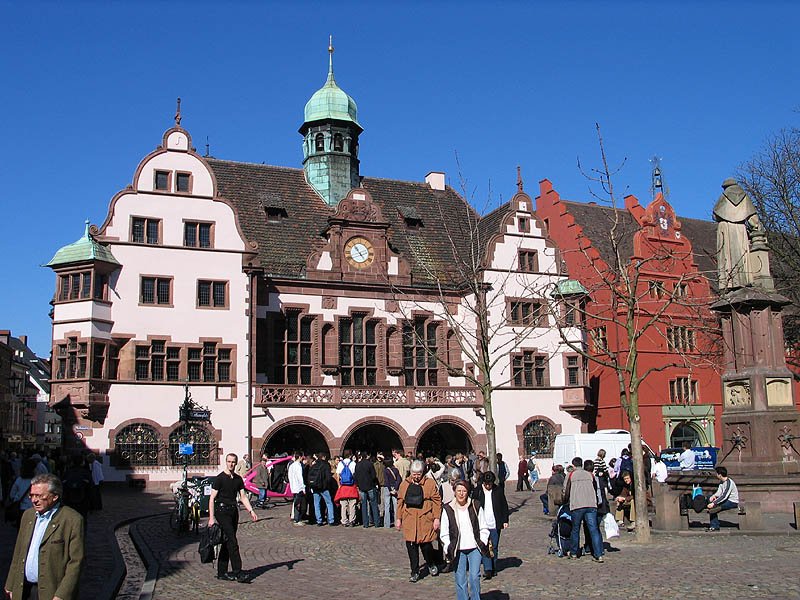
489 564
389 508
369 507
590 515
328 503
262 494
713 517
468 559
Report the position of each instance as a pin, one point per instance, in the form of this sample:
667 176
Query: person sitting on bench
725 498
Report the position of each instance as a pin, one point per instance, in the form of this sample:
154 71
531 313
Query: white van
569 445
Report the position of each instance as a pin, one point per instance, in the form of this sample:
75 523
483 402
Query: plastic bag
610 526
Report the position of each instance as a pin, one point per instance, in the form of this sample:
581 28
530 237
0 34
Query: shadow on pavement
289 564
495 595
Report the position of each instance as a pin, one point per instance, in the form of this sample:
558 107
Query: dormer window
319 143
524 224
275 214
338 143
411 217
162 181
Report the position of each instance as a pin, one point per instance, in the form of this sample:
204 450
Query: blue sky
89 88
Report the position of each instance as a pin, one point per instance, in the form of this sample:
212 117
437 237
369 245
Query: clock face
359 252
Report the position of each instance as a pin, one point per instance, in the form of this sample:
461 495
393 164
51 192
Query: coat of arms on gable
660 220
358 206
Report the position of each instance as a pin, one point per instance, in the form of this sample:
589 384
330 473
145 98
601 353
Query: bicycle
185 514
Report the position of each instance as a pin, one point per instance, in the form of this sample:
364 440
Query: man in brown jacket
47 557
419 507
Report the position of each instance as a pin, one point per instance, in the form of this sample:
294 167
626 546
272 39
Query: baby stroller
560 532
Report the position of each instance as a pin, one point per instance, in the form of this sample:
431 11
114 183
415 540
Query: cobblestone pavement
104 554
315 562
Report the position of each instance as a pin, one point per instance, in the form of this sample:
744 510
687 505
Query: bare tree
624 306
772 179
470 297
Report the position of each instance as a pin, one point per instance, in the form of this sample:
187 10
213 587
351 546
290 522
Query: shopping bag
610 526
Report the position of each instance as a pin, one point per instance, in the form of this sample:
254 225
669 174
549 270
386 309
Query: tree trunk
491 440
640 499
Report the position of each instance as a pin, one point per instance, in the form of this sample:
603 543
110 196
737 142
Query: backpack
316 478
415 497
531 465
346 476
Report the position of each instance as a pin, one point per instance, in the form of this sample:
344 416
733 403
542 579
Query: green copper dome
331 102
86 249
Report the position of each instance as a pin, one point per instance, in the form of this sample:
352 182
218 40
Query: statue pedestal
760 419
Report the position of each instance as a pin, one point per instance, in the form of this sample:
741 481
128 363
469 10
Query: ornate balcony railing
341 397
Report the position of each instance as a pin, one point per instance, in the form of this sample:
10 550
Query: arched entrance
686 432
373 437
294 437
442 439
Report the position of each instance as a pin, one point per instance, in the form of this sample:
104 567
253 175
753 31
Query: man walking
50 546
522 474
261 480
298 488
223 509
581 491
96 469
319 479
348 498
367 480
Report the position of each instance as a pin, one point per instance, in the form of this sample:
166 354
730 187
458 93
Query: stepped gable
285 244
596 222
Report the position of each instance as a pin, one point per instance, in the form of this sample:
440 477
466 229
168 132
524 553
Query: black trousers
30 591
413 555
523 480
229 522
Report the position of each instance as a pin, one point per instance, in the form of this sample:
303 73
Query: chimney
435 179
24 340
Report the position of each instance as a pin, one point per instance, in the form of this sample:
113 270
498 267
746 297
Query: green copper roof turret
86 249
569 287
331 102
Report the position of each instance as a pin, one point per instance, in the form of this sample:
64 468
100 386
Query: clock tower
330 140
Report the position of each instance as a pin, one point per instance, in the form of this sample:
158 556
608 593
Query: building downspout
250 364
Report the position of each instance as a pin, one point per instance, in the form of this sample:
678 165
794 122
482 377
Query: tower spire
330 58
178 114
657 179
519 179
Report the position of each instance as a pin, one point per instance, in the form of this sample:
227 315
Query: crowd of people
81 476
452 512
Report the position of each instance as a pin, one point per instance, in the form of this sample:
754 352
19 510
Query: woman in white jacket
464 534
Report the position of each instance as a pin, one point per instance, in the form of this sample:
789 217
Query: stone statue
742 251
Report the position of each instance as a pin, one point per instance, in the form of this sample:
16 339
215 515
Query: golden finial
178 114
519 178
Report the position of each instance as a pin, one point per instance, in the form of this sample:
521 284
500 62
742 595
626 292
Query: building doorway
686 432
373 438
297 437
442 439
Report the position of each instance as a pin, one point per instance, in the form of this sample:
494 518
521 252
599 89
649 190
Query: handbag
610 526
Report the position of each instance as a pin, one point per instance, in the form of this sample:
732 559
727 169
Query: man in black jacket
495 508
367 480
319 479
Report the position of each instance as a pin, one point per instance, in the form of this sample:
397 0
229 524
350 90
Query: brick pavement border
151 564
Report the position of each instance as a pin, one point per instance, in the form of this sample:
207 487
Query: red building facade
671 264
